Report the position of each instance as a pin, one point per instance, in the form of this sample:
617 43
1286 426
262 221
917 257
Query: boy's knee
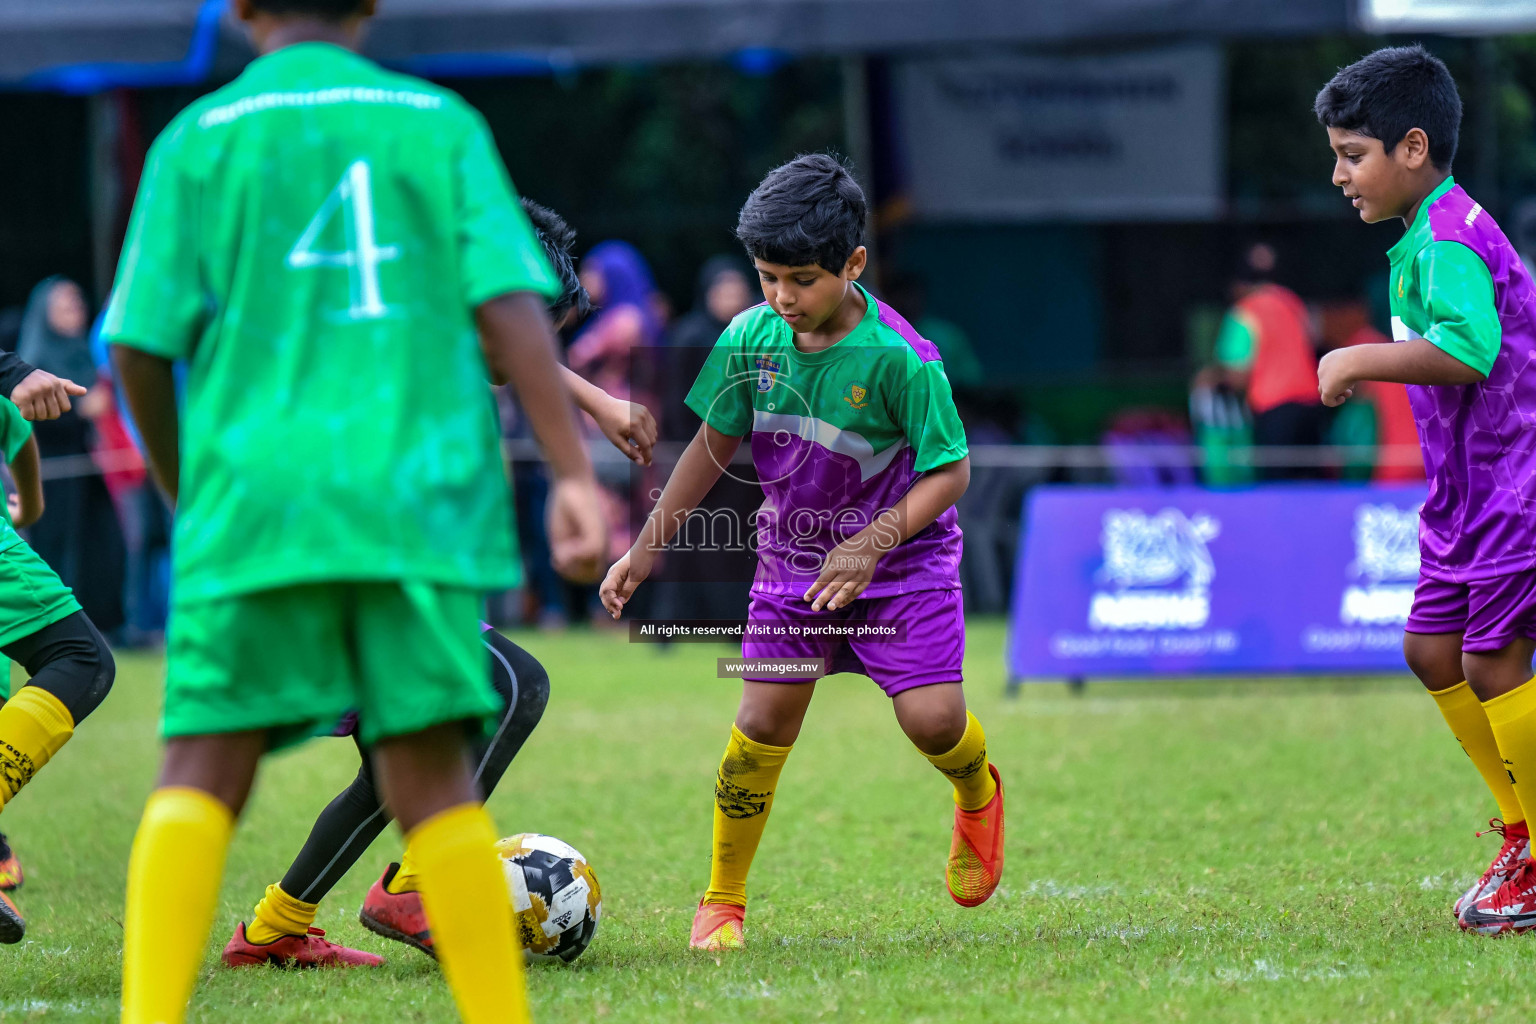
936 733
1435 660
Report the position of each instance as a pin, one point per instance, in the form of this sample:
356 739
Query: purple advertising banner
1179 581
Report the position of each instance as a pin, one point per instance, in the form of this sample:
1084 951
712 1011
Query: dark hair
808 211
331 10
1389 92
556 236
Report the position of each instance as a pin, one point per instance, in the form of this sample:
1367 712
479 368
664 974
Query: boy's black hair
557 237
1392 90
807 211
330 10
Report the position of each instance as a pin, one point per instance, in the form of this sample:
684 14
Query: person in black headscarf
80 537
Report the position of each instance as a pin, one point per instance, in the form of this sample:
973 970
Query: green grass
1215 851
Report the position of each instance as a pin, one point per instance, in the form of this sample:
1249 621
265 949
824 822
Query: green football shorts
31 597
293 660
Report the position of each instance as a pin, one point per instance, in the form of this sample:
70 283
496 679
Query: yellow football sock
173 886
465 897
749 772
406 879
34 724
966 767
1512 716
279 914
1469 724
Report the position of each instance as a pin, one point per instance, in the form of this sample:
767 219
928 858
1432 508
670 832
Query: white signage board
1469 16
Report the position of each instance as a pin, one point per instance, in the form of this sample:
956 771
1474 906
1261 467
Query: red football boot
976 850
10 867
310 950
1515 848
397 916
12 925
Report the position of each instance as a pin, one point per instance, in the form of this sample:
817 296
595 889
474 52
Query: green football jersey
837 436
312 239
14 431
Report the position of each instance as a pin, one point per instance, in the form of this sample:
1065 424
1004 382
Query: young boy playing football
42 629
1464 322
281 931
338 255
861 456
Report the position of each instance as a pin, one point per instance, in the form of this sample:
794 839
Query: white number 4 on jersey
353 195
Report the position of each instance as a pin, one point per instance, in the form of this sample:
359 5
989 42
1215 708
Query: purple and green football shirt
1458 283
837 436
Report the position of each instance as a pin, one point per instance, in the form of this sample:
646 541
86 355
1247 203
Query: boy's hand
1335 377
846 572
630 426
622 580
21 516
578 533
42 396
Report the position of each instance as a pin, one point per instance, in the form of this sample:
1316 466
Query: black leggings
356 817
70 660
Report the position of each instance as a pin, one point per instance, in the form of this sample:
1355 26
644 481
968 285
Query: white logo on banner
1160 568
1387 565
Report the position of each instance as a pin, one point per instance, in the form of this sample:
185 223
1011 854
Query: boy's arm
1460 345
697 470
519 347
1405 362
26 505
850 566
628 425
149 385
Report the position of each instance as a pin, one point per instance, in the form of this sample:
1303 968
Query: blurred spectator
79 534
1265 352
1380 413
908 295
723 291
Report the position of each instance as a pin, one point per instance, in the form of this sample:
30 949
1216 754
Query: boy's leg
522 683
1436 659
920 670
176 866
423 673
427 780
767 725
71 671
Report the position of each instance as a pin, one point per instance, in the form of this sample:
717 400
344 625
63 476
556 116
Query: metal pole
857 134
1489 83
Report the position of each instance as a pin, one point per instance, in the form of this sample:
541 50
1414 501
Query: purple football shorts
1488 613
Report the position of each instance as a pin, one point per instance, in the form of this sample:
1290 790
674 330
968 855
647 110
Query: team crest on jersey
768 371
856 394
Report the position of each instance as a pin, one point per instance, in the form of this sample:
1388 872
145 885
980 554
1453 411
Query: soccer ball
555 896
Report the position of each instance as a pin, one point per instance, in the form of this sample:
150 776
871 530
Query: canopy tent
85 45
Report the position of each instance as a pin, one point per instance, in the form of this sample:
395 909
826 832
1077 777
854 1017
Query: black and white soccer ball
555 896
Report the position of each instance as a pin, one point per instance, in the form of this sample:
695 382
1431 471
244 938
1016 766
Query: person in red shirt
1349 323
1265 351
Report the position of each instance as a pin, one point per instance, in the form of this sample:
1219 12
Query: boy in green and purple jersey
861 456
320 241
1464 323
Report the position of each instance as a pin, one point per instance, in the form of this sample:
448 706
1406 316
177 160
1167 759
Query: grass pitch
1250 851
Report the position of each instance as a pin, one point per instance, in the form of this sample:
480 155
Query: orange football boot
976 850
718 926
10 868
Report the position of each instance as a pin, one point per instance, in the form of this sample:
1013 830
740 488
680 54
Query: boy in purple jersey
861 456
1464 319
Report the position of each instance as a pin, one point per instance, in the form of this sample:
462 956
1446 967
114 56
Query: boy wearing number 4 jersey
338 256
1464 322
861 456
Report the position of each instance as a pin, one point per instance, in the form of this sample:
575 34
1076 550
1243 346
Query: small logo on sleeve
856 395
768 371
